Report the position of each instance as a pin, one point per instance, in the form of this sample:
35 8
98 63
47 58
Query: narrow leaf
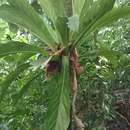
13 47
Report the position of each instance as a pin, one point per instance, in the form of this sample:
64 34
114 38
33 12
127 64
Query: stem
78 122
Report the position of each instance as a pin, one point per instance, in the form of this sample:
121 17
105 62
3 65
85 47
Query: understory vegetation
64 65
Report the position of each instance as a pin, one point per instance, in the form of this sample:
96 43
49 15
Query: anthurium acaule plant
62 27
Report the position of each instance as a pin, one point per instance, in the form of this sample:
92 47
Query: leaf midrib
62 88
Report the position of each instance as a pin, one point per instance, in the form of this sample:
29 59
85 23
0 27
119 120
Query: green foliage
94 12
11 77
52 7
18 47
60 26
25 87
105 72
28 19
77 6
111 17
58 113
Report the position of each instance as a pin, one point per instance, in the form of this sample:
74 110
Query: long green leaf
88 18
21 13
94 11
12 77
18 47
58 11
111 17
58 113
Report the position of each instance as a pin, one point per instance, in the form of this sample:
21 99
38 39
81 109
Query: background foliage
106 61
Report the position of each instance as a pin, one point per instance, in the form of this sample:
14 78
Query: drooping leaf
12 77
21 13
58 113
13 47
